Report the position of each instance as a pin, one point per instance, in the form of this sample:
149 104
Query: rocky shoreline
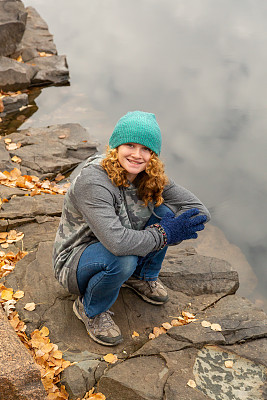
207 342
28 57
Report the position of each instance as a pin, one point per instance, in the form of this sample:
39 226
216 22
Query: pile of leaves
6 238
31 183
9 260
184 319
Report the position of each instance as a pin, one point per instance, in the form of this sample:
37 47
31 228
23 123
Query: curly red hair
150 183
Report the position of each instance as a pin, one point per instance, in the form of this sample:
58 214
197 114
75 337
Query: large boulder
13 18
20 377
44 152
36 38
15 75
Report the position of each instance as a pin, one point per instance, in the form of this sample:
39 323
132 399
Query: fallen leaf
166 325
135 334
18 294
44 331
191 383
30 306
151 336
188 315
175 322
110 358
1 105
229 364
7 140
16 159
7 294
9 307
206 324
61 136
215 327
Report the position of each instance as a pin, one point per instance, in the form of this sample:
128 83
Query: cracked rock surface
146 369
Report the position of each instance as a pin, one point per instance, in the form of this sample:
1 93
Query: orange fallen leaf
44 331
188 315
151 336
135 334
7 294
110 358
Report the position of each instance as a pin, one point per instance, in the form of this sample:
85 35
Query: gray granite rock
79 378
239 319
12 25
20 377
135 379
197 275
47 151
51 71
15 75
36 38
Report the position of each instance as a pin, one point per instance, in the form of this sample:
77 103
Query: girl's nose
136 152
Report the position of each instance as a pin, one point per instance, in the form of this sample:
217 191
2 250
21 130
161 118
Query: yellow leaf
57 354
175 322
44 331
166 325
30 306
191 383
229 364
205 324
188 315
151 336
110 358
215 327
16 159
47 347
7 294
18 294
135 334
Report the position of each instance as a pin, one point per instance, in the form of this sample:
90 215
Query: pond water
201 68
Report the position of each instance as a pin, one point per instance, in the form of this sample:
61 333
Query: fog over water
200 66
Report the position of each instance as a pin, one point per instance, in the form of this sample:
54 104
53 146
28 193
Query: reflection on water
201 68
13 120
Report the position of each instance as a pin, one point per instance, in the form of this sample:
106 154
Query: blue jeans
100 273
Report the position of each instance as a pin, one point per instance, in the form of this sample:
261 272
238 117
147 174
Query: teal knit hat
137 127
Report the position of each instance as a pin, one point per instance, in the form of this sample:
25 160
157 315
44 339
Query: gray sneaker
151 291
102 329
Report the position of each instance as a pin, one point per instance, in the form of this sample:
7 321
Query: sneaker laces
104 319
152 285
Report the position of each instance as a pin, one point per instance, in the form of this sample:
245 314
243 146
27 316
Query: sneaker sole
92 336
144 297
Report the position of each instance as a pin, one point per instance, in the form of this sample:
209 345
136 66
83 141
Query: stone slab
47 151
20 377
13 18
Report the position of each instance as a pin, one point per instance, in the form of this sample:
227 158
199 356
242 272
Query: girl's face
134 158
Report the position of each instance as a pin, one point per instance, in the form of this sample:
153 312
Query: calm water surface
200 66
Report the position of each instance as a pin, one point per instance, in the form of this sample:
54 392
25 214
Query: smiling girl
119 216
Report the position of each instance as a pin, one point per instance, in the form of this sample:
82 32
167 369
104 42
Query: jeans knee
125 266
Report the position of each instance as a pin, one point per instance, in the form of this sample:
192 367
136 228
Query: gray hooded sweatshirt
97 210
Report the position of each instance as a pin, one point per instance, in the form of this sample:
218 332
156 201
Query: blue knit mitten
184 226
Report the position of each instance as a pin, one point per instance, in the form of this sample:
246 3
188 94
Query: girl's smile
134 158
